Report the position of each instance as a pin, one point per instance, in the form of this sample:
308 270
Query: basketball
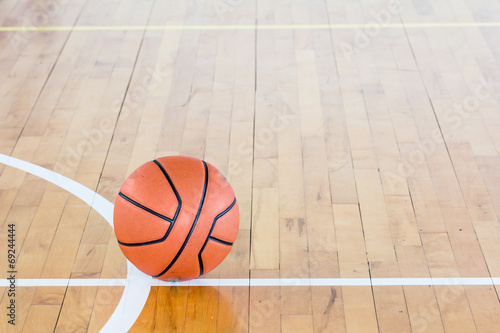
176 218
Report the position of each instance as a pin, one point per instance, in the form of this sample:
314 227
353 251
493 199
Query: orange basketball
176 218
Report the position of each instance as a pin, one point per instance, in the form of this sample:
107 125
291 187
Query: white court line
91 198
475 281
65 282
251 26
134 297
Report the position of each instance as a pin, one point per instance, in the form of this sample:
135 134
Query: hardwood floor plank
265 230
202 309
233 310
41 318
301 324
352 259
327 302
319 217
41 232
404 228
488 234
359 309
374 217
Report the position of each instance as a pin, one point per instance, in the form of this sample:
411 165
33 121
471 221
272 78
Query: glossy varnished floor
362 139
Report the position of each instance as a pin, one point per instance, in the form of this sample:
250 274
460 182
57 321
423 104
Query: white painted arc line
477 281
91 198
134 297
138 284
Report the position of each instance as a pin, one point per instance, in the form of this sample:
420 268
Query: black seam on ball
193 225
221 241
200 260
166 218
179 200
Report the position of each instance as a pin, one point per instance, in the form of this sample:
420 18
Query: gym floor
362 140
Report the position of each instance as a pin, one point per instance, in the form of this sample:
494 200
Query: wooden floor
356 150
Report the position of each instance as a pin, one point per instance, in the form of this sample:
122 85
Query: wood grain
355 150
